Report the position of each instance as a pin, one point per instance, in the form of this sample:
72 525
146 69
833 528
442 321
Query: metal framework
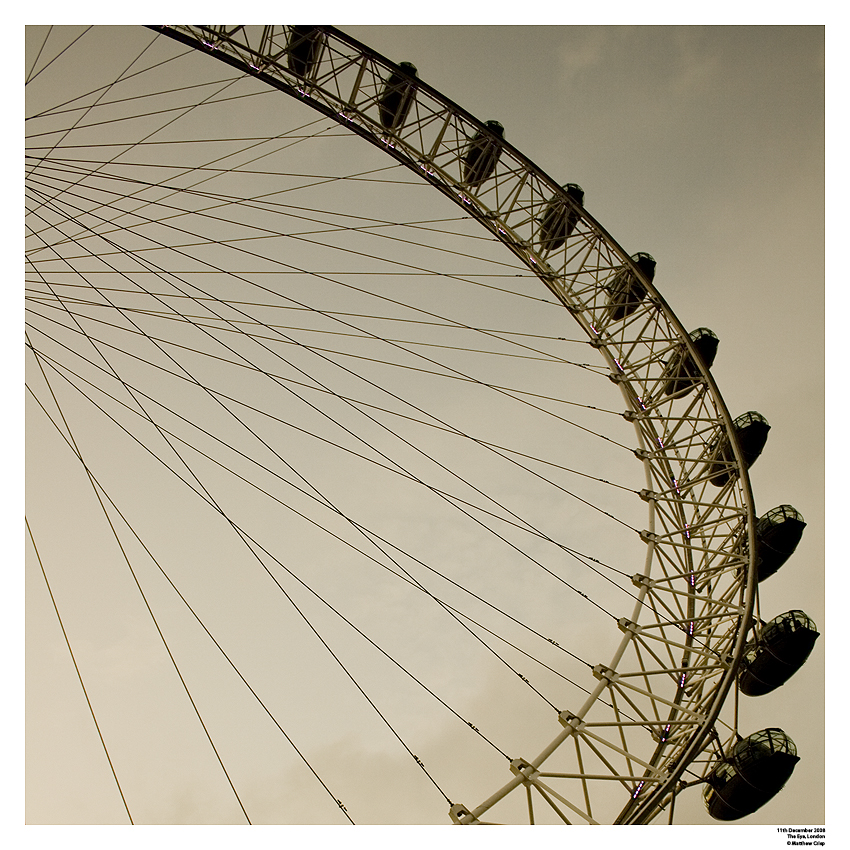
653 706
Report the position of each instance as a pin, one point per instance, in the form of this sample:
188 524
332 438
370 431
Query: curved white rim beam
697 563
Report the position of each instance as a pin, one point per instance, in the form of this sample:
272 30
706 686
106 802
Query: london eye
370 478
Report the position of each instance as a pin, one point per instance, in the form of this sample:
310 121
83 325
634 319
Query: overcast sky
703 146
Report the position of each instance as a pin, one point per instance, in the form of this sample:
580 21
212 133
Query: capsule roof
779 514
645 262
791 621
701 333
574 191
767 741
751 417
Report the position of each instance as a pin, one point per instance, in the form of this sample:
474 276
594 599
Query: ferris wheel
353 453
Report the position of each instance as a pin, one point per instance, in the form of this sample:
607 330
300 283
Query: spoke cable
88 109
38 55
248 539
76 449
64 368
376 337
190 51
322 497
601 608
58 55
79 674
99 489
231 302
267 233
198 321
337 510
475 519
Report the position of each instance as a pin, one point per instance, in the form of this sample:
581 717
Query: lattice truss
653 707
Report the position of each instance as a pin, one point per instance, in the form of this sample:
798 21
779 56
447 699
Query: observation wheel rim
502 228
345 113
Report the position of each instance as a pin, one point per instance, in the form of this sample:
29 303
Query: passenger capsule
397 96
779 650
682 373
751 430
753 772
559 219
625 291
777 534
304 47
479 161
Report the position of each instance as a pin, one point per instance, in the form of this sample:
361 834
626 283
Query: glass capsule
482 154
777 534
559 219
396 98
304 47
625 291
751 431
754 771
682 373
778 651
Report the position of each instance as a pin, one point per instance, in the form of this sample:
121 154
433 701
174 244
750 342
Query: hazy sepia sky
703 146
